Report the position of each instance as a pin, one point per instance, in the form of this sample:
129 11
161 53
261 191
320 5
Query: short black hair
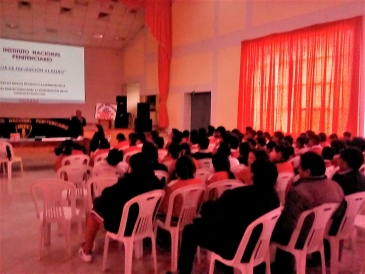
285 149
347 134
261 141
133 137
211 130
114 157
234 142
328 153
322 137
120 137
353 157
186 134
279 135
270 145
177 137
301 141
150 150
338 145
265 180
185 168
203 142
185 148
224 149
174 150
202 131
252 142
358 142
315 139
160 142
333 136
289 139
313 162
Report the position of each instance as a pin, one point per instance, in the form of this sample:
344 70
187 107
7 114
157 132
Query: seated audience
359 143
333 137
185 136
261 142
245 174
172 155
64 150
151 151
104 147
141 138
114 159
311 190
348 176
133 138
245 149
97 137
338 145
252 142
234 144
219 229
267 136
185 172
225 150
300 146
194 140
313 144
328 153
289 139
270 146
323 140
184 149
122 142
278 137
210 132
280 156
347 136
222 170
238 134
108 208
203 152
219 133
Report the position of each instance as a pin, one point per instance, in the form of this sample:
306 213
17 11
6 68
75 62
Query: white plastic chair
129 155
191 200
237 169
314 241
355 203
54 209
282 184
148 204
95 185
216 189
74 160
261 252
101 157
107 171
160 174
162 153
203 174
4 160
206 163
359 226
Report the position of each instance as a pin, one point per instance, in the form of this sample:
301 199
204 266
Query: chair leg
323 261
198 255
47 234
105 256
41 237
211 266
9 165
68 237
174 249
334 244
267 264
128 247
154 254
21 167
300 263
138 249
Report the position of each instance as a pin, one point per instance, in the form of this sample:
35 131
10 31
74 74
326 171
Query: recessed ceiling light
98 36
11 26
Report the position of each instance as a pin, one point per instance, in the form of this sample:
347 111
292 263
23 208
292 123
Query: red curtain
304 79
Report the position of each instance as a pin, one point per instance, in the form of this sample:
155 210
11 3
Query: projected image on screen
41 73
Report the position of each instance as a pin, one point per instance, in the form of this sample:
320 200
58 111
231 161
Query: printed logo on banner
105 111
23 129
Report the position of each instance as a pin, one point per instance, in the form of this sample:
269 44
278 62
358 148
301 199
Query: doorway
200 109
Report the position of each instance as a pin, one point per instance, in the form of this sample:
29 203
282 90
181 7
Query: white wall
103 81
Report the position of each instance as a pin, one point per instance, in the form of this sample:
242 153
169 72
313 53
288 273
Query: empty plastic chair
282 184
148 204
55 209
76 160
355 203
314 240
100 157
203 174
191 197
215 190
5 148
261 252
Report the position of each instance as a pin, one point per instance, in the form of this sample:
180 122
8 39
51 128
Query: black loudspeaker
121 104
143 111
143 125
121 120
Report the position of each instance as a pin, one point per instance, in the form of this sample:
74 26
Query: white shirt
233 161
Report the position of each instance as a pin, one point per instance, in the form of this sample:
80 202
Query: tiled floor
19 235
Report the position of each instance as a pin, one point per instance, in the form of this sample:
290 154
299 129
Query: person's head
264 180
185 168
155 135
270 146
328 153
311 164
278 137
347 136
142 137
114 157
261 142
252 142
351 158
120 137
174 131
220 162
259 134
358 142
224 149
67 147
133 137
313 140
78 113
219 132
281 153
186 134
202 131
300 142
338 145
174 150
184 149
322 137
104 144
234 142
100 129
248 130
203 143
289 139
310 133
256 154
160 142
150 150
141 167
333 137
245 148
211 130
237 133
267 136
177 137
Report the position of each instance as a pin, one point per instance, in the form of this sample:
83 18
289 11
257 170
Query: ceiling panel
70 22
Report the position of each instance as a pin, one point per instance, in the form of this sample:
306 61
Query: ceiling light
98 36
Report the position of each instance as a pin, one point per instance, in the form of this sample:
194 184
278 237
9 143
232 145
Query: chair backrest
75 174
355 203
314 240
148 204
261 249
107 170
6 147
162 153
237 169
123 147
160 174
205 163
50 192
76 160
216 189
192 197
282 184
101 157
203 174
129 155
95 185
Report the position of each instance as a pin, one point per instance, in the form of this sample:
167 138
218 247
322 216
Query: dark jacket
159 166
350 182
112 200
202 155
76 127
226 219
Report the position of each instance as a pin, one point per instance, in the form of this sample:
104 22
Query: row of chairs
6 163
